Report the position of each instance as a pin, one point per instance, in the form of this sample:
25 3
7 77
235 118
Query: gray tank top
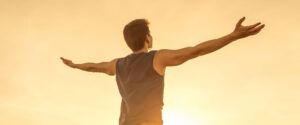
141 89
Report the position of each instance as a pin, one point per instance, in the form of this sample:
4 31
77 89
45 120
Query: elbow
190 54
195 52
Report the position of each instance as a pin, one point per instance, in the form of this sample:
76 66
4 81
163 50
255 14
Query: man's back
141 88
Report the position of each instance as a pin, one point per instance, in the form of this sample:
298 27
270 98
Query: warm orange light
177 118
253 81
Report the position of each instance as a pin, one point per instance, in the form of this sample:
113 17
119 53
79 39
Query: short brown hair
135 33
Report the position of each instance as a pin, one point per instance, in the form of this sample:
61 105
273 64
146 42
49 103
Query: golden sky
253 81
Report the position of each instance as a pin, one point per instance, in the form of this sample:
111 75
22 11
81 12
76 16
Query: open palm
241 31
67 62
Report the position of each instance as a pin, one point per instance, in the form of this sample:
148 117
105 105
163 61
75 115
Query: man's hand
68 62
245 31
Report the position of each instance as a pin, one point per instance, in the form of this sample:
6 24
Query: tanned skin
166 57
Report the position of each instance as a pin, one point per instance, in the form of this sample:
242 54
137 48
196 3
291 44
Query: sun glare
177 118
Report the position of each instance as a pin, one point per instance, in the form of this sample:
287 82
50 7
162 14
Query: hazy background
253 81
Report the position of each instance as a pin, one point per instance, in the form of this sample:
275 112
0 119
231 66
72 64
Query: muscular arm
167 57
103 67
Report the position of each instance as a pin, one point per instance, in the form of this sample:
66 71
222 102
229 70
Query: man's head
137 34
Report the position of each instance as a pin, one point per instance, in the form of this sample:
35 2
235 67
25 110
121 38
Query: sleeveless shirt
141 89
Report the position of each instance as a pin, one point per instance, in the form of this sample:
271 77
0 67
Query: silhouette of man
140 75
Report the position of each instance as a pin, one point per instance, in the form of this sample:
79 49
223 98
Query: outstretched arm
103 67
166 57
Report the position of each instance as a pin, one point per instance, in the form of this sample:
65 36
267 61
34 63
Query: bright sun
177 118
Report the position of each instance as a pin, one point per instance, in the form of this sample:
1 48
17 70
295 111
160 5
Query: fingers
256 29
248 30
66 61
254 25
63 59
241 21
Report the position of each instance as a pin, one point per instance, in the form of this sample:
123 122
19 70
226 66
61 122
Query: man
140 75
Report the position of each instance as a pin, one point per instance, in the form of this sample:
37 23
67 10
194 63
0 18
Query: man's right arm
108 68
165 57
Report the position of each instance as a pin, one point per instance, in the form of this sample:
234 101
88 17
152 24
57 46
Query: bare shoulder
112 67
157 61
162 53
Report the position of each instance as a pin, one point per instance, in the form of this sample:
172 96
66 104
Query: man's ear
147 39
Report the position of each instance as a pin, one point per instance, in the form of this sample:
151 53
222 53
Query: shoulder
156 62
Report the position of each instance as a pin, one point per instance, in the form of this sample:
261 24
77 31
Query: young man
140 75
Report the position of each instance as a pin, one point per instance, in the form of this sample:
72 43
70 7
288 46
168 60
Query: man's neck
144 50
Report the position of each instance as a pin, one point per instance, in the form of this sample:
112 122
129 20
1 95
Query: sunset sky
252 81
